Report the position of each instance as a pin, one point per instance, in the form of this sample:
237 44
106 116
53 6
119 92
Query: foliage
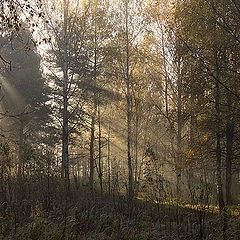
137 97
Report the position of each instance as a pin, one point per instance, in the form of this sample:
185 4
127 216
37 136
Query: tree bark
20 176
92 138
65 130
136 145
108 161
20 151
179 131
100 173
65 117
218 142
229 150
91 159
128 98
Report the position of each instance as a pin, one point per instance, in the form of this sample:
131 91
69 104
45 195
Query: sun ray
10 98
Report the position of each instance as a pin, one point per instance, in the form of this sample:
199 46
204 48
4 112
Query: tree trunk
20 188
65 137
165 71
20 151
108 161
91 159
229 151
65 127
65 131
128 98
136 145
179 132
92 138
100 174
190 179
218 142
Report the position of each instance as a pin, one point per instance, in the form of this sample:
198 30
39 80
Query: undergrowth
110 219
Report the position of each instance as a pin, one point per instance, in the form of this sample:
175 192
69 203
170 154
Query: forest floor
105 218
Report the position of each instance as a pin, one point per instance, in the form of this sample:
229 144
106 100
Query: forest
119 119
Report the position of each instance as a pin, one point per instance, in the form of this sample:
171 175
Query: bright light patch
10 94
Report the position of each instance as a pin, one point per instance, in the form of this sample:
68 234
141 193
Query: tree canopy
119 119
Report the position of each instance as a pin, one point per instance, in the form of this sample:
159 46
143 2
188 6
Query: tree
17 15
129 26
72 62
206 42
99 34
24 111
